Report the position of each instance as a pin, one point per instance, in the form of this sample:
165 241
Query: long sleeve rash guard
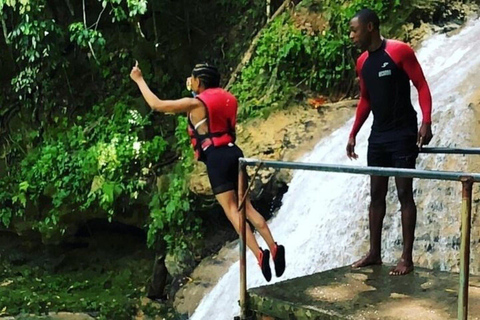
385 76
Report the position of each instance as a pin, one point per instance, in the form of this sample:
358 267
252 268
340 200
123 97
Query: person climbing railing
467 180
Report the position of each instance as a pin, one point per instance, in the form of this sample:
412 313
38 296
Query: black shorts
222 167
395 154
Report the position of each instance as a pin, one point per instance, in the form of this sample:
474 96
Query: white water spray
323 222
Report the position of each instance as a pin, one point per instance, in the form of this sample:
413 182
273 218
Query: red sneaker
264 263
279 260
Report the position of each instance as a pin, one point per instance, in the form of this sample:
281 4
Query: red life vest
221 120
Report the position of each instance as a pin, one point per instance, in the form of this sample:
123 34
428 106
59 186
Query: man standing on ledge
385 70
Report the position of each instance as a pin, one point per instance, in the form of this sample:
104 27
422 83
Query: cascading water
323 222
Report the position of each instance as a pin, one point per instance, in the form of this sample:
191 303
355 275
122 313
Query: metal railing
467 180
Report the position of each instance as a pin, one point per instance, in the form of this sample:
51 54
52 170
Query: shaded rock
269 150
180 264
309 125
204 278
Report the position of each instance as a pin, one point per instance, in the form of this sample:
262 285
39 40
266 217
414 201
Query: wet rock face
440 12
436 16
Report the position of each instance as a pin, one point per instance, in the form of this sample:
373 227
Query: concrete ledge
368 293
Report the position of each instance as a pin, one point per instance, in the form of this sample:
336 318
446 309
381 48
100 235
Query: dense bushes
308 49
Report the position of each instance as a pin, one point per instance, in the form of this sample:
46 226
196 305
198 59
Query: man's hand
351 149
136 73
424 135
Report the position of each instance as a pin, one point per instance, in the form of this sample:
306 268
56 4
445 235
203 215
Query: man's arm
363 110
410 64
414 71
363 107
361 115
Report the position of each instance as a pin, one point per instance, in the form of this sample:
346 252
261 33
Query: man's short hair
366 16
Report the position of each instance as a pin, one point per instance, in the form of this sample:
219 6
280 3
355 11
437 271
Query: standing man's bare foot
403 267
368 260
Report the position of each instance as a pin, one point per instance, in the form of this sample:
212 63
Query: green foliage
32 40
104 157
290 57
35 291
22 5
170 207
61 157
83 36
75 145
64 161
105 280
136 7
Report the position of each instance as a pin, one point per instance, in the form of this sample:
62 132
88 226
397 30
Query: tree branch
70 7
98 19
139 27
154 13
4 27
269 8
85 25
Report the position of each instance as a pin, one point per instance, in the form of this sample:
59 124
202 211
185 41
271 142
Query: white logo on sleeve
385 64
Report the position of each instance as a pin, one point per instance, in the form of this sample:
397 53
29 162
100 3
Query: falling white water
323 222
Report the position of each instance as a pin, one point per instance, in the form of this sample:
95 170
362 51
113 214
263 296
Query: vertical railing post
467 183
242 186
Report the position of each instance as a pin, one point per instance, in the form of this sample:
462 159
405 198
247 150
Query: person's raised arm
166 106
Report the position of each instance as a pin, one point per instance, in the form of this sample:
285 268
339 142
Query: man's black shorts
396 154
222 167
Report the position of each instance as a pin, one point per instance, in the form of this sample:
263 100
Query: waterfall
323 221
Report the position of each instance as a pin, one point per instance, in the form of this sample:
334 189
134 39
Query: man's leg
409 219
378 192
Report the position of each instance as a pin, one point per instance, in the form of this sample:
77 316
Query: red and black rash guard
385 76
